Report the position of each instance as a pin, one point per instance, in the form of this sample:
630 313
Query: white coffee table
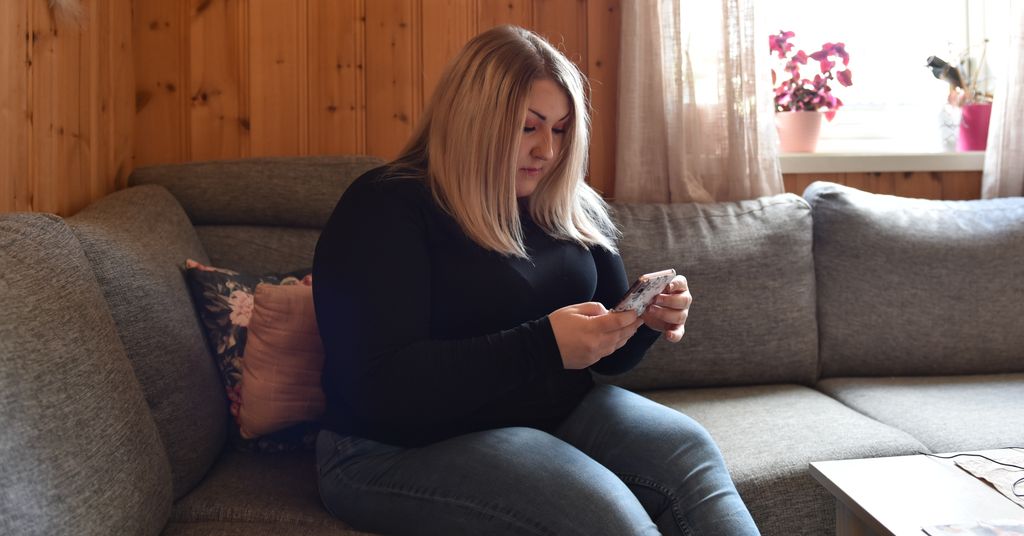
899 495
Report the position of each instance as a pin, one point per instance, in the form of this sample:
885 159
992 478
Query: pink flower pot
974 120
798 131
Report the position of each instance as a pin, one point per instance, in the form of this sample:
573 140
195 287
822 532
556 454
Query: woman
462 294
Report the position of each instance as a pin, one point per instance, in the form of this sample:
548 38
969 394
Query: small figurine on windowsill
968 94
966 83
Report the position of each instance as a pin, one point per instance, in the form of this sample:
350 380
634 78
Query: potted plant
967 92
800 102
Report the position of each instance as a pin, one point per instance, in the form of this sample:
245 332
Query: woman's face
546 118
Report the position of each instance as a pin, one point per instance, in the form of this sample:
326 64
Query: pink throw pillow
283 361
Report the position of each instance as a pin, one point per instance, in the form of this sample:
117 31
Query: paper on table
982 528
1000 477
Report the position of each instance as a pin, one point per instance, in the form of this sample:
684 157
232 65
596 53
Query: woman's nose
544 149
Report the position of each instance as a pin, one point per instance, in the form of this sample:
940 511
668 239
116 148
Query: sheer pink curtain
695 113
1004 157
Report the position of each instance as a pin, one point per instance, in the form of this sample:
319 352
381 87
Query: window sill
880 162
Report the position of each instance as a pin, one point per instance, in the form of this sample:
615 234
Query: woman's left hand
668 312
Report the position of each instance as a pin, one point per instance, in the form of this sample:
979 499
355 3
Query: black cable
1013 488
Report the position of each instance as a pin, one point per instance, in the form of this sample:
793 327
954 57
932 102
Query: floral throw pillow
283 364
224 301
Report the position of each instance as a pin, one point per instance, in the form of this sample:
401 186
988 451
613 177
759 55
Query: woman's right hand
587 332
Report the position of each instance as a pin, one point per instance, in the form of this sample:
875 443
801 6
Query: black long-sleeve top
428 335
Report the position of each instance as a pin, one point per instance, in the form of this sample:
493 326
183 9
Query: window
895 103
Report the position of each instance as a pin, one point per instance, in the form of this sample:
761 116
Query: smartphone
644 290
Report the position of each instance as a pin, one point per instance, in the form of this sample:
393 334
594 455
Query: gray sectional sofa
838 325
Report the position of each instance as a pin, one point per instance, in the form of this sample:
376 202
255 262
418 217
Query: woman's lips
533 172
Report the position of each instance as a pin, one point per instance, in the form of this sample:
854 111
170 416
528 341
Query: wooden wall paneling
58 157
244 81
798 182
919 184
564 24
416 35
884 183
322 77
860 181
959 185
43 105
869 182
446 26
160 34
337 96
603 29
96 111
278 74
121 57
73 183
951 185
67 104
877 182
216 53
493 13
789 183
889 182
15 111
392 75
792 182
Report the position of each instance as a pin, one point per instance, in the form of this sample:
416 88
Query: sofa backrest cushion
276 191
79 449
259 215
137 241
917 287
253 249
750 269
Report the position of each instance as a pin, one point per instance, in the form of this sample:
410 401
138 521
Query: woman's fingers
623 334
675 334
614 321
680 300
671 309
622 342
678 284
669 315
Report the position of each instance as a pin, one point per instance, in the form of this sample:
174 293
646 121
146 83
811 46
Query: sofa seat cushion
769 434
946 413
265 489
223 528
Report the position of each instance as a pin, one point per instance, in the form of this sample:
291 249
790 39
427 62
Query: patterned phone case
644 290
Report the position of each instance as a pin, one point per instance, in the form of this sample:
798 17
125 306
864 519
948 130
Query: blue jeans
620 464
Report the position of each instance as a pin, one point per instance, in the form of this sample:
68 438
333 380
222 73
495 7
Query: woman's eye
529 129
558 130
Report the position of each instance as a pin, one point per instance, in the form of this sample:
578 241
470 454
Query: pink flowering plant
796 93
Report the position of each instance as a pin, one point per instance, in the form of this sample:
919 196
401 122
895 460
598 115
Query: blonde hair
467 144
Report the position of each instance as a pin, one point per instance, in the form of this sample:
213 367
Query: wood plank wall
948 185
142 82
236 78
66 104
